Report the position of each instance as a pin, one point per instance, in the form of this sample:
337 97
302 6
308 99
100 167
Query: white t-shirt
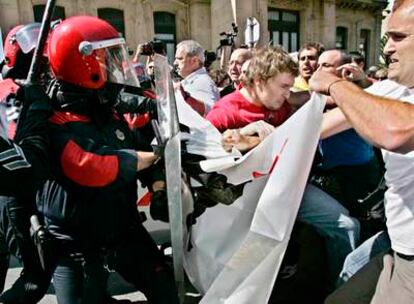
399 176
201 87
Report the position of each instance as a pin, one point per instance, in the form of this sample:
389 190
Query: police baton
34 71
44 244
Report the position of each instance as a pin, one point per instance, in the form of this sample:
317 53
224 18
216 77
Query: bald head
400 44
237 58
330 60
404 4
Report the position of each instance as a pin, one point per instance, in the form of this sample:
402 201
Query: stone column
221 18
200 22
9 15
25 10
376 39
309 20
143 21
83 7
328 24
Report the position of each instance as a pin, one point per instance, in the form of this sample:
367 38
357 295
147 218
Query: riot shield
168 127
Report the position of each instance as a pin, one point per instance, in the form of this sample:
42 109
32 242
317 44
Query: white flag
237 249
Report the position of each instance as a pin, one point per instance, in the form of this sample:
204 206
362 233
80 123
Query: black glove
159 206
36 110
217 190
32 92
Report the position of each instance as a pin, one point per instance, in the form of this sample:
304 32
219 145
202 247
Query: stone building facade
350 24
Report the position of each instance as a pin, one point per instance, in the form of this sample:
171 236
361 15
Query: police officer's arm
24 161
386 123
90 164
15 168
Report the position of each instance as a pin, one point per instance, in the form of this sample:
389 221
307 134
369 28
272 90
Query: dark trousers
80 278
349 185
15 239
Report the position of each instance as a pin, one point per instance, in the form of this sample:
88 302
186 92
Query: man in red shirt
264 95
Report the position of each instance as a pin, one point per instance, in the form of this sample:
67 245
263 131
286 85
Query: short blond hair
268 62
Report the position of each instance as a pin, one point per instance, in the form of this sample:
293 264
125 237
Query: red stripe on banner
257 174
145 200
88 169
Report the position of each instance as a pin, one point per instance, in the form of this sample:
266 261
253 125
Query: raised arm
385 122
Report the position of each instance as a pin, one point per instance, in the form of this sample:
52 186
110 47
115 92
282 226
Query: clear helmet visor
119 68
112 56
27 37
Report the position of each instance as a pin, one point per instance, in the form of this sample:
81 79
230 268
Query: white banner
237 250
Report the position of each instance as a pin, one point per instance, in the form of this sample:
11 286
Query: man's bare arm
384 122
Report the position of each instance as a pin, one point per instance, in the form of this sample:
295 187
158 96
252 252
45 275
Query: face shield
1 53
4 125
112 56
27 37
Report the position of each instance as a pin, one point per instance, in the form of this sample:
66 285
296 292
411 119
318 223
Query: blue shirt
345 149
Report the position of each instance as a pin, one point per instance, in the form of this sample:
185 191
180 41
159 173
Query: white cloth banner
237 249
204 139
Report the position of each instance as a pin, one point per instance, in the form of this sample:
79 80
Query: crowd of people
74 144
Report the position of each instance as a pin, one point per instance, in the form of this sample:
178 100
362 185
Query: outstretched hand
352 72
259 128
233 139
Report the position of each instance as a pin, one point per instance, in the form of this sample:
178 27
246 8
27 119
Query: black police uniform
23 166
89 204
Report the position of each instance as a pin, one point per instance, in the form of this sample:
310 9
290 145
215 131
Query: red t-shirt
234 111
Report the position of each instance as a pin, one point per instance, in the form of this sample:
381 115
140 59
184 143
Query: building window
363 46
58 12
164 29
113 16
341 38
284 29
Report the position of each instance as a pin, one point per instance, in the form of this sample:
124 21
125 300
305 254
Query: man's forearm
386 123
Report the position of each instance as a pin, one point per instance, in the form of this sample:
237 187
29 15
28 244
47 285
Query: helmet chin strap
69 96
109 93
